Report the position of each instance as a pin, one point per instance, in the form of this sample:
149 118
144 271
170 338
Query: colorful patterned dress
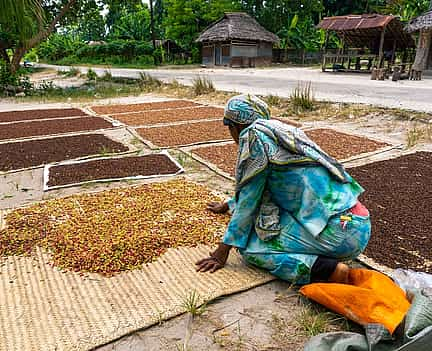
305 190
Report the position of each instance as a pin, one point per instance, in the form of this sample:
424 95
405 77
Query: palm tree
23 26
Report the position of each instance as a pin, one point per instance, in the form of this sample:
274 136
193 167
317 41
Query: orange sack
371 297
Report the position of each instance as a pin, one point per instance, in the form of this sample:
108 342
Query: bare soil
110 109
398 197
185 134
57 126
171 115
14 116
32 153
154 164
342 146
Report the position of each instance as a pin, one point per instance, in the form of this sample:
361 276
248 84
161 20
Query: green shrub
302 97
91 75
202 85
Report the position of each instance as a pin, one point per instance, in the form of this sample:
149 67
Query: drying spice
222 156
13 116
110 109
32 153
115 230
399 198
172 115
147 165
341 145
184 134
56 126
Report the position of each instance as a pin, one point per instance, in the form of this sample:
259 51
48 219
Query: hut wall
208 55
244 50
265 50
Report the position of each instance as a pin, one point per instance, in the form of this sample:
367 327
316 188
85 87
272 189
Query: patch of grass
107 76
71 72
314 320
302 98
202 85
192 303
104 151
419 134
273 100
147 81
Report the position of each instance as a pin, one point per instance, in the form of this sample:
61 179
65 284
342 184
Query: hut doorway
218 55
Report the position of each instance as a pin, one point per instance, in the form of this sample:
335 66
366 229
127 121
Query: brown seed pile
55 126
32 153
115 230
14 116
185 134
171 115
222 156
340 145
111 168
110 109
399 197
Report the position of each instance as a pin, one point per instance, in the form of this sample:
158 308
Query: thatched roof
421 22
236 26
365 30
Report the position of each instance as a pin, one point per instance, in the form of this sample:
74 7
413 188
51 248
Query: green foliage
302 97
58 46
406 9
91 75
132 25
202 85
13 83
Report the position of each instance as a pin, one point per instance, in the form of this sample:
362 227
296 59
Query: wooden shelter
236 40
422 25
370 38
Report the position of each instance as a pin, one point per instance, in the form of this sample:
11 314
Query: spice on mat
222 156
172 115
398 196
147 165
340 145
13 116
110 109
115 230
185 134
32 153
57 126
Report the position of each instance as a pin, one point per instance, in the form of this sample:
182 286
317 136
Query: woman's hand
216 260
218 207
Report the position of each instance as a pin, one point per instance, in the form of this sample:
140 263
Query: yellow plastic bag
371 297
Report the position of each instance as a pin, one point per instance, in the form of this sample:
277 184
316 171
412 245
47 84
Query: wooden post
393 52
381 51
323 68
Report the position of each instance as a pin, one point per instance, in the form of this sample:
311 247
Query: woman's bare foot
340 274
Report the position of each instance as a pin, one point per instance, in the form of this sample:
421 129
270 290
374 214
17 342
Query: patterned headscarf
245 109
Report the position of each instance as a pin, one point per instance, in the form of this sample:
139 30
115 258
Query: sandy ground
263 318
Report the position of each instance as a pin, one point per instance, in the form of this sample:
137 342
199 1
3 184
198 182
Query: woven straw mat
42 308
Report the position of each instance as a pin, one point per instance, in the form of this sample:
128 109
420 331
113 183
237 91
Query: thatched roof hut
236 38
366 30
423 22
372 37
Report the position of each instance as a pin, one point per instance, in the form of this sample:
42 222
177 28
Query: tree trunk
21 50
422 52
4 55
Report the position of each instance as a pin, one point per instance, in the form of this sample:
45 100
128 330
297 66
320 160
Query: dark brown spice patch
222 156
399 198
56 126
340 145
13 116
110 109
185 134
38 152
154 164
172 115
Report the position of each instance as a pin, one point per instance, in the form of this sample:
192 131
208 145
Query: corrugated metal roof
353 22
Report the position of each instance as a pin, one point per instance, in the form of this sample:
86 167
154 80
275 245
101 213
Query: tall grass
302 98
202 85
148 81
